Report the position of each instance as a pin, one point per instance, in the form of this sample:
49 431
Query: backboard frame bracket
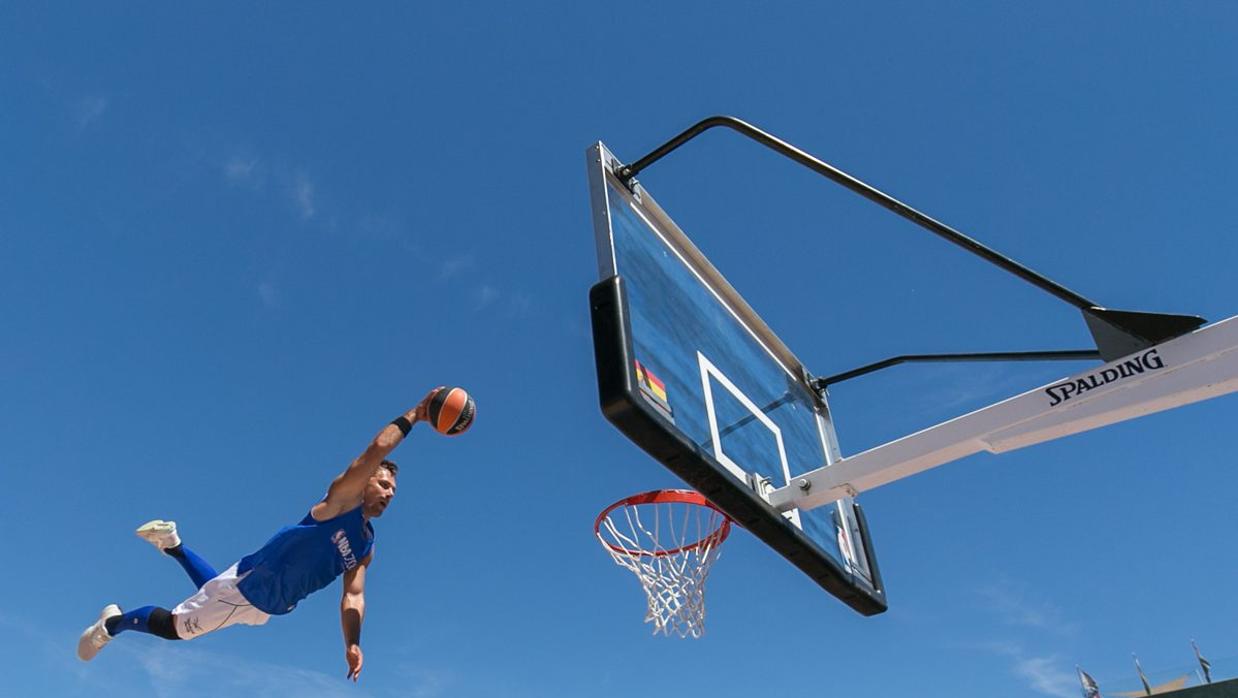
761 484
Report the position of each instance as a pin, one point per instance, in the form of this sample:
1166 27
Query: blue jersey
301 559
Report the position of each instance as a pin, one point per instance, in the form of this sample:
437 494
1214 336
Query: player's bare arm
347 489
352 614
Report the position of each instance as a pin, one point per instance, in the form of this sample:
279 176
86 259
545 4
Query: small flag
1203 663
656 385
653 388
1090 689
1147 687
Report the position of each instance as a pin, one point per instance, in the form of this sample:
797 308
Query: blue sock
152 620
199 570
137 619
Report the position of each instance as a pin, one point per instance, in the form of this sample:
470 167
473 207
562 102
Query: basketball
451 411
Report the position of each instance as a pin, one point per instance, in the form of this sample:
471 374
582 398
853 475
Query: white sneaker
96 636
159 533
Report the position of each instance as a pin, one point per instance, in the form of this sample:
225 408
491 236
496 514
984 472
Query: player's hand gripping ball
451 411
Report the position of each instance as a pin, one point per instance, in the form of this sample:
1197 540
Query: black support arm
1065 355
1116 332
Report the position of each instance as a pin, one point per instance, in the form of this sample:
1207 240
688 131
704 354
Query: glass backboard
691 374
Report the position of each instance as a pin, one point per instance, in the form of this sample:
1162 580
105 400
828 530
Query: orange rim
665 497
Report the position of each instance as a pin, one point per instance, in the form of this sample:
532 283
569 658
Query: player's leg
151 620
112 621
218 604
162 534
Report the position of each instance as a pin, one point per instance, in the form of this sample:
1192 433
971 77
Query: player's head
380 490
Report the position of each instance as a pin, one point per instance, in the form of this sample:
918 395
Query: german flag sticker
653 389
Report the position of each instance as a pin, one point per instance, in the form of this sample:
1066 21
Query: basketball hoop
669 539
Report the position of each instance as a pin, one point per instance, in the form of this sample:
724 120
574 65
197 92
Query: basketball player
335 537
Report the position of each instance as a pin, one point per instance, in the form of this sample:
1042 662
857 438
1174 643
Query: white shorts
217 604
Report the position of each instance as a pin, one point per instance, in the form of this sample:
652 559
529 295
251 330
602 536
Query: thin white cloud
966 387
89 109
379 226
1047 675
58 650
180 670
519 306
425 683
1015 605
187 670
269 293
514 305
244 171
303 195
455 265
485 295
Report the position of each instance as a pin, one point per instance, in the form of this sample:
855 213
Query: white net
669 540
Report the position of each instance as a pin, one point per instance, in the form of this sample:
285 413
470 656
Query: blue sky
235 241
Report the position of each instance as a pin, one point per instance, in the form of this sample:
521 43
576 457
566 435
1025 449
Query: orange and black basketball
451 411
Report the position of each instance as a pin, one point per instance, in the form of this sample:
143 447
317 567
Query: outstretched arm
346 489
352 612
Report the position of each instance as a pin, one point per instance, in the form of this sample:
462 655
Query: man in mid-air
334 538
